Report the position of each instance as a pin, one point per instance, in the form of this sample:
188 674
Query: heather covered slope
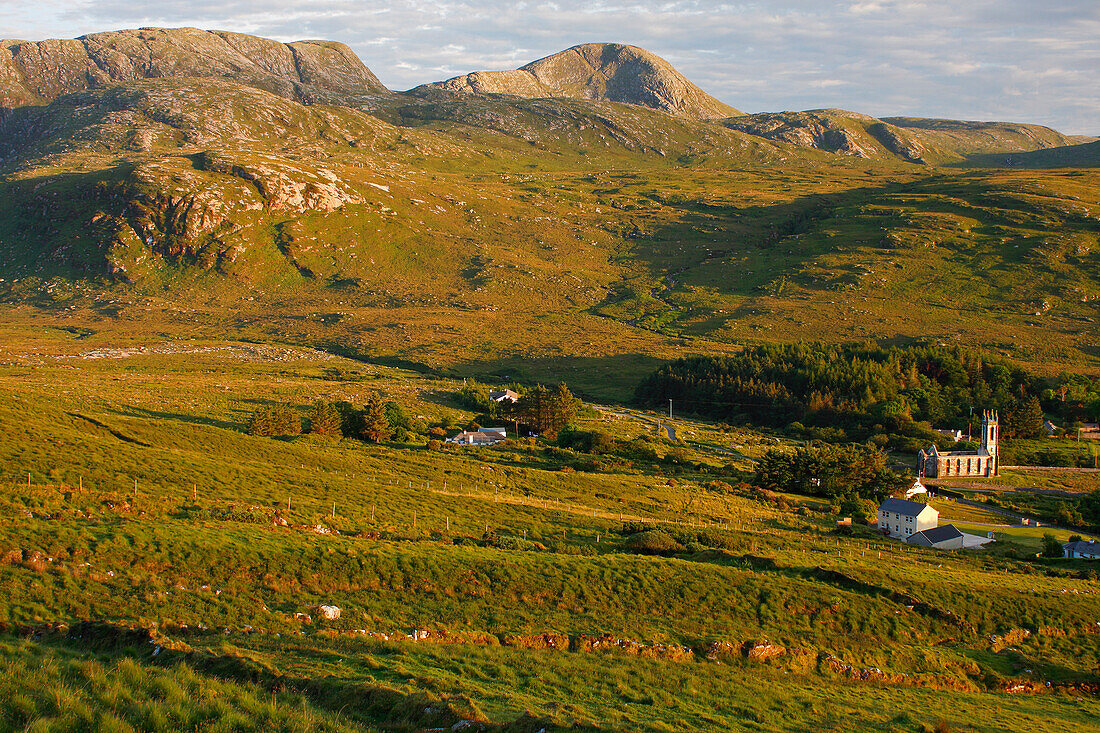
596 71
462 232
39 72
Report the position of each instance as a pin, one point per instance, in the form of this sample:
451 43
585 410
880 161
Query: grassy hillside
1081 155
149 509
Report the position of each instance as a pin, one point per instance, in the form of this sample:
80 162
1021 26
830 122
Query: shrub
652 542
518 543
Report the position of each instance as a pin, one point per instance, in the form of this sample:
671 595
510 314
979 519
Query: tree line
375 421
863 390
544 410
854 477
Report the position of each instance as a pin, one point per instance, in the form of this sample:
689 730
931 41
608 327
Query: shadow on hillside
706 234
1084 155
191 419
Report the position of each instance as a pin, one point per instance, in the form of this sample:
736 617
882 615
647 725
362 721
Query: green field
148 508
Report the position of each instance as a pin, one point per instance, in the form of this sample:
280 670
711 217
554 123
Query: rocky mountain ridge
609 72
39 72
912 139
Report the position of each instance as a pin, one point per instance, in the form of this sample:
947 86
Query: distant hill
39 72
1081 155
917 140
609 72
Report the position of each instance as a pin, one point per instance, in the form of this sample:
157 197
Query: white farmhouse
900 519
1082 549
504 395
916 488
482 436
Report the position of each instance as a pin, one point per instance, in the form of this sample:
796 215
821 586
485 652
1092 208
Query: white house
916 488
482 436
504 395
901 519
1082 549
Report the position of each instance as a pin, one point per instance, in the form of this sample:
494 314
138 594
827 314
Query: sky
1013 60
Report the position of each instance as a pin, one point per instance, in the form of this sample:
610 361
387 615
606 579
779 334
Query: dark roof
901 506
939 534
1089 546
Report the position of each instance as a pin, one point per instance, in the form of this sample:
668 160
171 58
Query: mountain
39 72
454 229
609 72
915 140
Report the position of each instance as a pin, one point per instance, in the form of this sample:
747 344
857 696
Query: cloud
978 59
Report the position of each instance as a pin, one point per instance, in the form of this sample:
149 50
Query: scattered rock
329 613
538 641
761 650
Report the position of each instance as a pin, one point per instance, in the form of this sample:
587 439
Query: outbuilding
947 537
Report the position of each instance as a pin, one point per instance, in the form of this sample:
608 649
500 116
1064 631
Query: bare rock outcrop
610 72
761 650
39 72
843 135
171 210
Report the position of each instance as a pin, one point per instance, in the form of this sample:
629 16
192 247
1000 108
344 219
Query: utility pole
670 408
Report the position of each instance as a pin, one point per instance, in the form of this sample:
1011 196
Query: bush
652 542
518 543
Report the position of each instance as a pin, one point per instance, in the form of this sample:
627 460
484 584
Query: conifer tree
376 428
260 423
324 419
547 411
286 421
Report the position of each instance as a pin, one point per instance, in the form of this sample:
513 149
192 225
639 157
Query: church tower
990 438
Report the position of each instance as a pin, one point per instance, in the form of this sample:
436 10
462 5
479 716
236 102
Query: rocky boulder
328 613
761 650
